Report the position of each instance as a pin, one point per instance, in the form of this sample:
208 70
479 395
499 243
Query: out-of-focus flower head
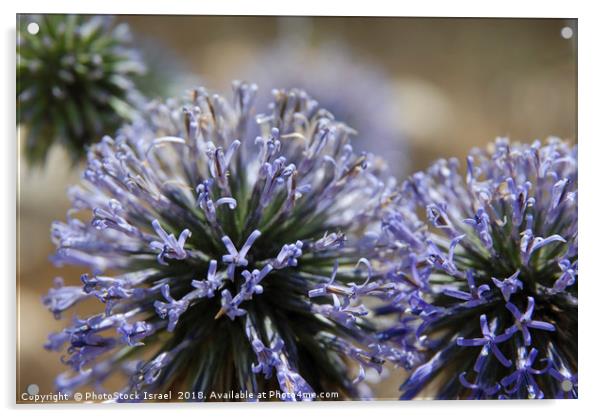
486 271
223 261
357 92
74 81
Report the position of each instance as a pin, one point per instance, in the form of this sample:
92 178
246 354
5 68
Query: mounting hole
566 32
33 28
566 385
33 389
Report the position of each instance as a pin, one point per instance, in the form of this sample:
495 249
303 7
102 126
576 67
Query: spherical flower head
224 262
75 81
356 91
486 270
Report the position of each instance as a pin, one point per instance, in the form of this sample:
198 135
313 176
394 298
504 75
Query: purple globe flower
223 262
485 266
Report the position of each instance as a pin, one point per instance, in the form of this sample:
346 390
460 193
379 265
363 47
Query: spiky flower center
237 257
491 265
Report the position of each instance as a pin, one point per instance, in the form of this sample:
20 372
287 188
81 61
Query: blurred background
415 89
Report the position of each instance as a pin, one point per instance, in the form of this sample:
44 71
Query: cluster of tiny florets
236 245
485 266
223 262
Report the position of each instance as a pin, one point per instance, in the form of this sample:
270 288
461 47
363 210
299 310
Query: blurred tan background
455 83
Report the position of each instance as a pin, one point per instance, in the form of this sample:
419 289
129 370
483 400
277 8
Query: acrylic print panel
222 208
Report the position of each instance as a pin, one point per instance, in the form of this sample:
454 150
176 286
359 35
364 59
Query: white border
590 69
508 8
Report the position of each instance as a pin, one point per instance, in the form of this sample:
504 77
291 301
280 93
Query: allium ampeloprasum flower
224 262
75 81
486 265
360 93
